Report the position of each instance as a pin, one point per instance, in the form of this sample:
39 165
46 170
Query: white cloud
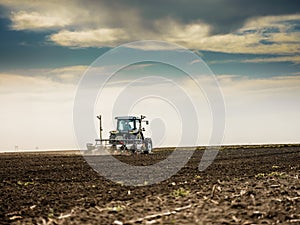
153 46
249 38
67 75
196 35
292 58
35 21
88 38
174 31
270 21
295 59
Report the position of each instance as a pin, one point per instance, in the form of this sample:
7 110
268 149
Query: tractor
128 136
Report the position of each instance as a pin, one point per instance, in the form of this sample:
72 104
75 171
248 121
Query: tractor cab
128 123
129 133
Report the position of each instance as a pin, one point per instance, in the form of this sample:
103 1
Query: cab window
126 125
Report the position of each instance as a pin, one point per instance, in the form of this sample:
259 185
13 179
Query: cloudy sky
251 46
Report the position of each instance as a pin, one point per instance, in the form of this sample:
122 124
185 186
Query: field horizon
201 147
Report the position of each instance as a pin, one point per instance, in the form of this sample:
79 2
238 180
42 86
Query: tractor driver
127 126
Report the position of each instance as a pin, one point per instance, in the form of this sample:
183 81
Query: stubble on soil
244 185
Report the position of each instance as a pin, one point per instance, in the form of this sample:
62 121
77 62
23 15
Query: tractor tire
112 138
148 146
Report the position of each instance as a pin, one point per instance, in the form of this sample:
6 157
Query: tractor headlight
114 132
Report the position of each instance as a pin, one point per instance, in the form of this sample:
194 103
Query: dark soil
244 185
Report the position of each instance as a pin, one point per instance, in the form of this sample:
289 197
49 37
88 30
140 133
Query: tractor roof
127 118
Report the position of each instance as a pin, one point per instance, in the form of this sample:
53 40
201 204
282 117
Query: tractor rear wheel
148 145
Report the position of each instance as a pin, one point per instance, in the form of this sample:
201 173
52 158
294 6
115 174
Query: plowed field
244 185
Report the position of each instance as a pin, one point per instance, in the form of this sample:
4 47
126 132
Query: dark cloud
224 16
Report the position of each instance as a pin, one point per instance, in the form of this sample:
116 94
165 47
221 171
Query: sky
252 47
